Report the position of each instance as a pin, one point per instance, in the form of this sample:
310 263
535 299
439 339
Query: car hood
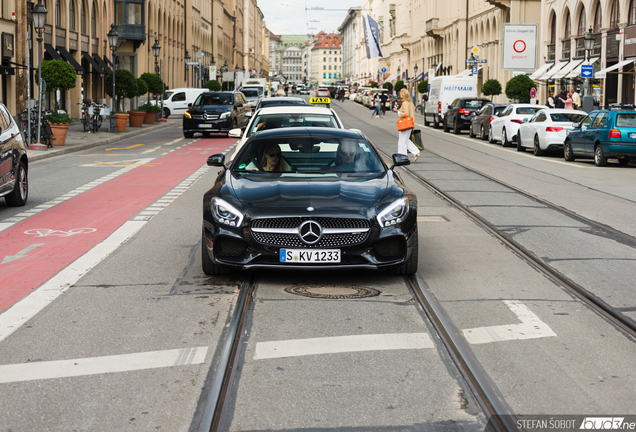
326 194
211 108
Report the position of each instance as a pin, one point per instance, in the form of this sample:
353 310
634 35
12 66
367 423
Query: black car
461 112
328 202
14 164
481 120
216 112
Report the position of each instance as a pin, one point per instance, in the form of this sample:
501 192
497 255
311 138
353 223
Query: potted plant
212 85
151 112
58 75
125 87
136 116
59 126
154 83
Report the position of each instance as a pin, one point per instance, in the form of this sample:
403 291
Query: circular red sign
514 46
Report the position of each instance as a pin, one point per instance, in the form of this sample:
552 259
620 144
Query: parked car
505 126
14 163
322 92
360 94
330 203
177 101
303 90
601 135
480 121
253 97
280 101
283 117
443 91
547 129
216 112
461 111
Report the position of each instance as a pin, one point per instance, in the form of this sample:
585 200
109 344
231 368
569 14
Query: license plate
309 255
206 126
632 135
567 132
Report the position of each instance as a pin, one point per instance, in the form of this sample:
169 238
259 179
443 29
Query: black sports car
309 198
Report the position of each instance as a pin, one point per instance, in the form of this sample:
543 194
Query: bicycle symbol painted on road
45 232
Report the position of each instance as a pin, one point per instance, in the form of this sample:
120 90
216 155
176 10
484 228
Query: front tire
446 128
491 138
537 147
482 133
568 154
520 147
188 134
504 139
18 197
457 129
166 113
470 132
599 158
209 268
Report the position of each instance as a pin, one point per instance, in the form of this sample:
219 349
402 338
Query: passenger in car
272 160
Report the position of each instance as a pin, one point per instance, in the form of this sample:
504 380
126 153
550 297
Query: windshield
273 121
528 110
214 99
167 95
308 155
281 101
566 117
251 92
475 103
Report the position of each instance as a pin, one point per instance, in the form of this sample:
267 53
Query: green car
603 134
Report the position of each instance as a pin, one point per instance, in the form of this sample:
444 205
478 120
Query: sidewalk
77 139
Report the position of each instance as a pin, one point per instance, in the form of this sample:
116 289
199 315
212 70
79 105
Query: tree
355 84
212 85
491 87
142 87
374 84
422 86
228 85
154 82
388 85
125 85
518 88
58 75
399 85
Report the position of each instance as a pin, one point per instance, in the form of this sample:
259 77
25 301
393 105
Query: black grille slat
293 240
294 222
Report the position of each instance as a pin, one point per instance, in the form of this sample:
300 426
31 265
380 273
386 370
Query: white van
443 91
175 101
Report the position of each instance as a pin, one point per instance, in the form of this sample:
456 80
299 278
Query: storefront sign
629 38
519 47
7 45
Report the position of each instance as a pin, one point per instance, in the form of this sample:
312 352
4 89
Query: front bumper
214 126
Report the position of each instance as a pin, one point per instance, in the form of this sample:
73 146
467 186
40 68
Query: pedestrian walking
383 99
569 103
376 107
559 99
550 102
404 136
576 98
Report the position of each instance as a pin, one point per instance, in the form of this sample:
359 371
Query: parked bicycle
91 117
46 134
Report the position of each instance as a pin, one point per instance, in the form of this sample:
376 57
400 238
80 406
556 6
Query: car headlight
394 213
226 214
187 114
225 114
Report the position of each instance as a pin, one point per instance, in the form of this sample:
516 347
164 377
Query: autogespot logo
606 423
310 232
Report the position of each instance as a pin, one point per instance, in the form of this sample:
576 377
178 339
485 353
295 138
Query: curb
35 155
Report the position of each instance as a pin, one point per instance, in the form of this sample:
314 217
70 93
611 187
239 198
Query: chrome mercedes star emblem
310 232
310 209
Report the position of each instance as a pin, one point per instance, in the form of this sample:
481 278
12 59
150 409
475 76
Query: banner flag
371 37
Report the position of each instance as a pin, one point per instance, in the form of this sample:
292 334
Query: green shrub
154 82
388 85
142 87
148 107
491 87
125 85
228 85
58 118
422 86
399 85
518 88
212 85
374 84
58 75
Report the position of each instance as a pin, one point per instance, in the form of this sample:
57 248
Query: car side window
179 97
507 112
587 120
599 121
4 119
540 117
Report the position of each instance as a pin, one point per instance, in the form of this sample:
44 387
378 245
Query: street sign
533 93
520 46
477 61
475 70
383 70
192 63
587 71
475 50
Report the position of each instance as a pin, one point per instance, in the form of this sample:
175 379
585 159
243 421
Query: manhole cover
333 291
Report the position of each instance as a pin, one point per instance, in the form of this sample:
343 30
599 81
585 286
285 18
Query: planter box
149 118
136 118
59 133
122 119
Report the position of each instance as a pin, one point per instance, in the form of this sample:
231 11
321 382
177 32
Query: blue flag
371 37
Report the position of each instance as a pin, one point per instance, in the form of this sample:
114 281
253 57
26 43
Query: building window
93 21
71 15
568 26
58 14
581 30
632 13
597 18
83 18
614 15
324 67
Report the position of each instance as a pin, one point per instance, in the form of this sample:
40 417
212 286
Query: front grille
346 260
204 117
327 240
391 247
325 222
225 247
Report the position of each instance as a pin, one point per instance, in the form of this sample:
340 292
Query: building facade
326 60
350 30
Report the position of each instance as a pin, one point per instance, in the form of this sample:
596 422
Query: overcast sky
290 16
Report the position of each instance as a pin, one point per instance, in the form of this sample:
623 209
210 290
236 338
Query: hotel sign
629 41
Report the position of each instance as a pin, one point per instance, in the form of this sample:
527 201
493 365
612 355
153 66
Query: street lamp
186 57
156 49
415 69
39 21
113 40
589 46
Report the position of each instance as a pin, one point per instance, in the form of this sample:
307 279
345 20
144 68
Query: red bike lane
39 247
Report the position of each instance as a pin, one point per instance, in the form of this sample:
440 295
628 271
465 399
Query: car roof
310 131
563 110
295 109
289 98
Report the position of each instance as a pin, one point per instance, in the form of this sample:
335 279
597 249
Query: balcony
501 4
131 32
433 29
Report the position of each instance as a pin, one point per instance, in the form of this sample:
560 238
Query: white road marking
29 306
342 344
501 148
22 253
531 327
101 365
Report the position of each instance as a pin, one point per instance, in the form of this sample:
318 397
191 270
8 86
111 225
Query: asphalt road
126 340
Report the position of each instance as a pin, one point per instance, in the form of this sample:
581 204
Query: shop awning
536 74
51 51
603 73
420 77
70 60
96 68
390 78
6 70
557 67
110 63
566 69
576 73
102 63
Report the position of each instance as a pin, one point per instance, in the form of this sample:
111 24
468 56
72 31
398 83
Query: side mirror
190 104
525 120
576 125
248 114
217 160
399 160
233 133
